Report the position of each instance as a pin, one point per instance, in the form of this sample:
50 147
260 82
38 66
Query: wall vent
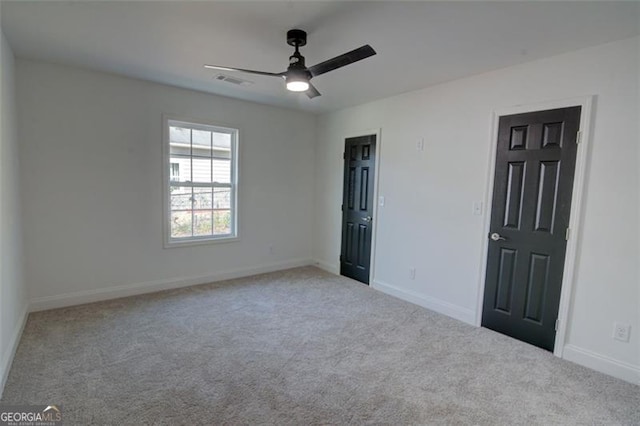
233 80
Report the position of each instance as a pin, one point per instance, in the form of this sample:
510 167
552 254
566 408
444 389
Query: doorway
357 207
527 241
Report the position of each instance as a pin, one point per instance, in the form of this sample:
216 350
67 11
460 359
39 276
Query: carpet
300 346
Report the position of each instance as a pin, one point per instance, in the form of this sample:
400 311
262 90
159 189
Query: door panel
364 189
535 163
513 201
547 189
357 207
536 286
506 278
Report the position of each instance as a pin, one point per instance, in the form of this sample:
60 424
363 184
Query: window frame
198 124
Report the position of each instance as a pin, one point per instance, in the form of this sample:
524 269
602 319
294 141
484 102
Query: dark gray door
535 165
357 207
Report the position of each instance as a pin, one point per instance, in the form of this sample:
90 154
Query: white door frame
376 170
582 162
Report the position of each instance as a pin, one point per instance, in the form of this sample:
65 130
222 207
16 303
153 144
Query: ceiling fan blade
312 92
342 60
271 74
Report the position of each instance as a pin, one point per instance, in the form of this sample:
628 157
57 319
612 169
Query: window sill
200 242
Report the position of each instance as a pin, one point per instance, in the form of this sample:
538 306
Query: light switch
381 201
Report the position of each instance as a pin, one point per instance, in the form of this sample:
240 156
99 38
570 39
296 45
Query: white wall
92 184
427 220
13 302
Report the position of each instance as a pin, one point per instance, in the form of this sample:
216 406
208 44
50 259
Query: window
175 171
200 183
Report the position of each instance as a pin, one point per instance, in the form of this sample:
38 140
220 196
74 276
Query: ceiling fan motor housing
296 38
297 69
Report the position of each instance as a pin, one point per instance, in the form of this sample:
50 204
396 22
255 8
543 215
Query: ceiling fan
298 76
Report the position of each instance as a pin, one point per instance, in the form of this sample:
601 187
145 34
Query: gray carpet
296 347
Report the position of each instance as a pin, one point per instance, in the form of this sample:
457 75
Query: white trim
197 241
586 122
602 363
431 303
334 269
376 210
488 197
115 292
7 357
376 170
234 130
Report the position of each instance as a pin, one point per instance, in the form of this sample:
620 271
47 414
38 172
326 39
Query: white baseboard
7 357
602 363
88 296
437 305
334 269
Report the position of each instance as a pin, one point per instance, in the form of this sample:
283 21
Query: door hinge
344 155
340 257
342 207
557 323
579 137
567 234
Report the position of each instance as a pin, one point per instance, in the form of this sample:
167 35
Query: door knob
497 237
367 219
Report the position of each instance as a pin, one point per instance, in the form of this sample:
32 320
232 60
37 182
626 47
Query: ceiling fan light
297 80
298 85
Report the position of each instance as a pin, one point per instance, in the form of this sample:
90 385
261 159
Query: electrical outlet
621 331
412 273
420 144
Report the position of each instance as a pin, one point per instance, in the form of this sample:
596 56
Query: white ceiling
418 43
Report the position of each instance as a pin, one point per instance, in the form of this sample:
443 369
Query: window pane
202 222
180 140
222 141
221 170
201 170
202 198
179 134
181 224
181 197
180 169
174 171
201 143
201 138
221 222
222 198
